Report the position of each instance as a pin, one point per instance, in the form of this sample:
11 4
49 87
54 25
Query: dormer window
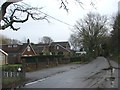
28 48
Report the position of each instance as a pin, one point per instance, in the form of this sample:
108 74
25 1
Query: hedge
11 67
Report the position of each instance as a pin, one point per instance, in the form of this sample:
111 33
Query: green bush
116 57
11 67
12 82
9 81
77 62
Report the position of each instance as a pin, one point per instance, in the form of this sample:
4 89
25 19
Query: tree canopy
46 40
115 35
90 32
5 40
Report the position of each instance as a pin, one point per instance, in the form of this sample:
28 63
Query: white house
3 57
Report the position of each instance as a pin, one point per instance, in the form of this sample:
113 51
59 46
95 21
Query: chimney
28 40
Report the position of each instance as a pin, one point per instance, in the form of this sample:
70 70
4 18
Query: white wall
2 58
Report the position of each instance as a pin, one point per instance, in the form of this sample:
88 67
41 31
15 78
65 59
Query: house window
57 47
25 55
50 53
9 46
28 48
14 45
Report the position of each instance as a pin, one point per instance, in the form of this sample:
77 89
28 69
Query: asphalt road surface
76 76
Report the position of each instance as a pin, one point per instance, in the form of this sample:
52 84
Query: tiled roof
14 48
39 47
60 43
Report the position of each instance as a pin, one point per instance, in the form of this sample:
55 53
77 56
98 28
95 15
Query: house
16 51
41 49
60 48
54 48
3 57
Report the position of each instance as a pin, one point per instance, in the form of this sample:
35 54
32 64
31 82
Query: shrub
11 67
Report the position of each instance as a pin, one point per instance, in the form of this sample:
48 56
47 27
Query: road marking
43 79
35 82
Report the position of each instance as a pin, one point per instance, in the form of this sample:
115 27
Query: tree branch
9 21
64 5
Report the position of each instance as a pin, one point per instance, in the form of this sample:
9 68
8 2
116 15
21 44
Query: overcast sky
34 30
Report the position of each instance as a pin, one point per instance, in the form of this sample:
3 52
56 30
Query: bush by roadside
12 75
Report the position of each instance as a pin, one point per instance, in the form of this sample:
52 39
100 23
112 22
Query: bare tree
6 40
20 14
64 4
34 13
46 40
75 42
91 31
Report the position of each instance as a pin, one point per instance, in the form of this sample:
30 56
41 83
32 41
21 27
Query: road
75 76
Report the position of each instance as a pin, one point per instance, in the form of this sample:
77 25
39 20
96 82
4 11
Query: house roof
14 48
39 47
62 47
60 43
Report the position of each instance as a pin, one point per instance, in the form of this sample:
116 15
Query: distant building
41 49
53 48
16 51
62 48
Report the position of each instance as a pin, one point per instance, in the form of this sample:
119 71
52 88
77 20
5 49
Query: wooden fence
39 62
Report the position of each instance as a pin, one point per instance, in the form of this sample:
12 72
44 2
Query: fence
7 74
39 62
